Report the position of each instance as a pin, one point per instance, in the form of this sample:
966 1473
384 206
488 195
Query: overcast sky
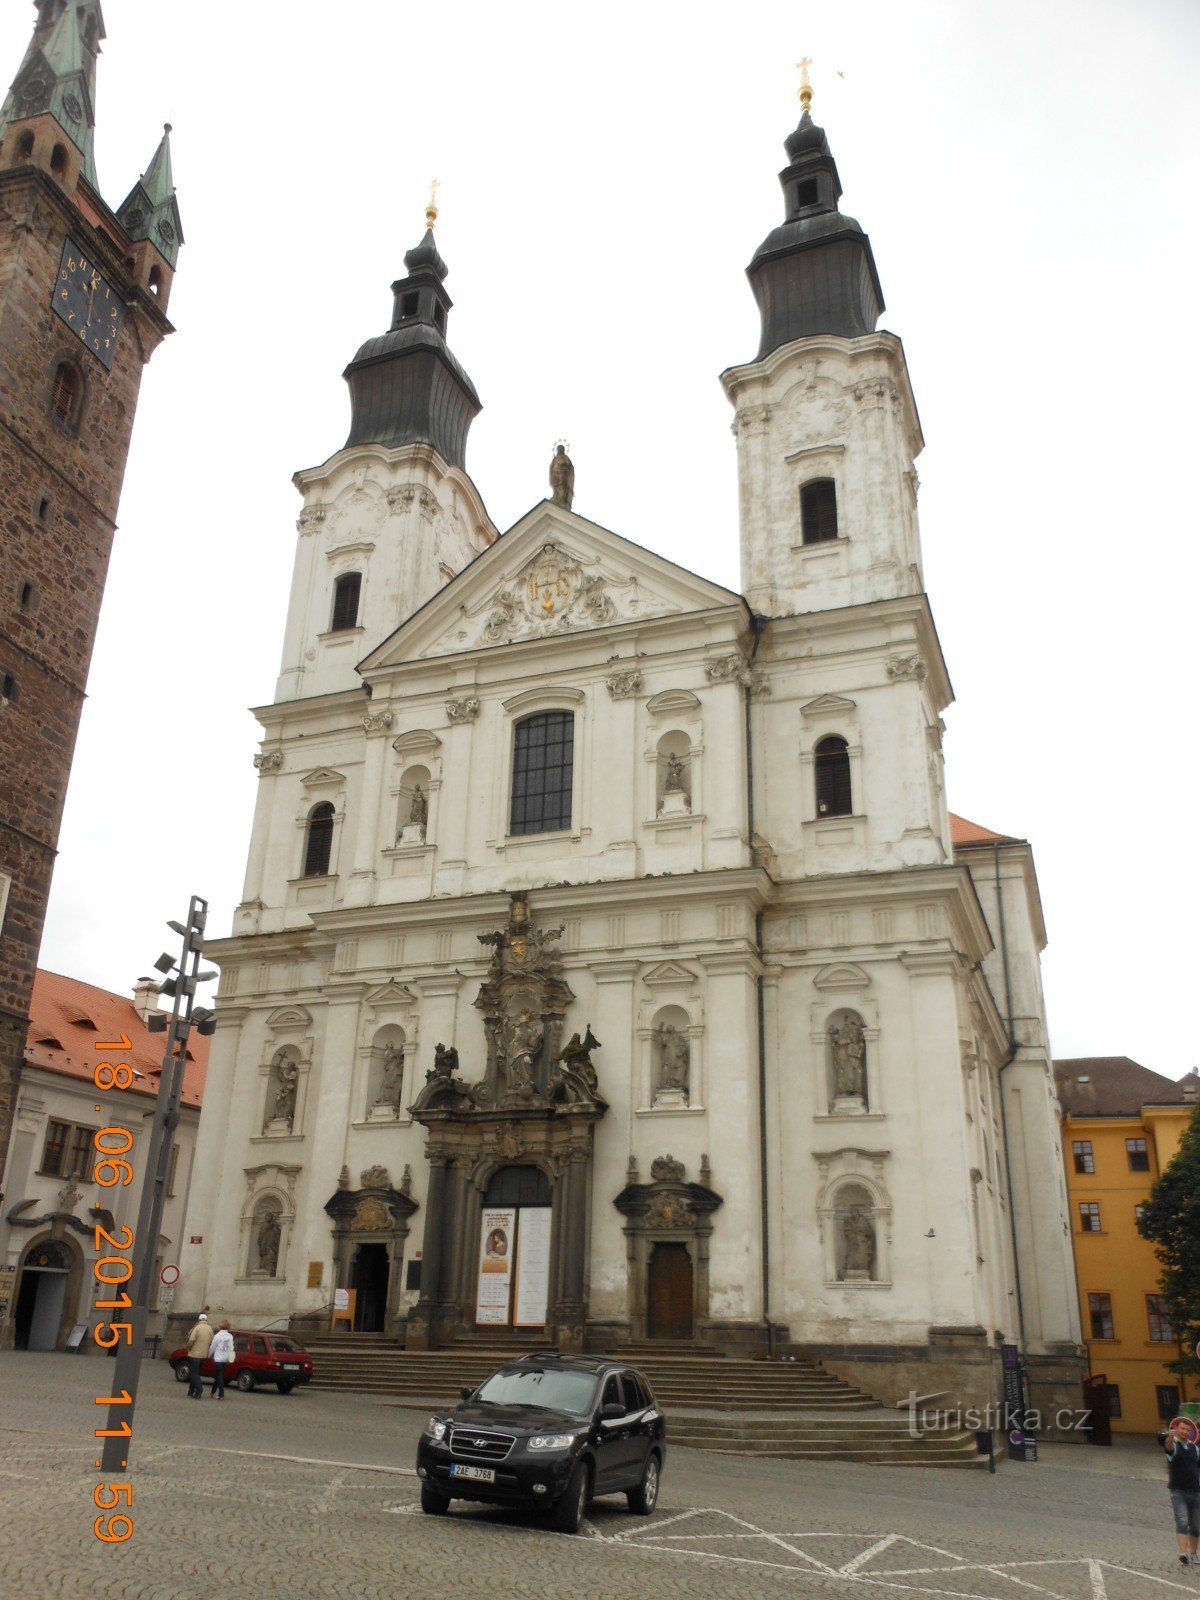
1028 173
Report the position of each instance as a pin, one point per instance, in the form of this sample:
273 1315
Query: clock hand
92 293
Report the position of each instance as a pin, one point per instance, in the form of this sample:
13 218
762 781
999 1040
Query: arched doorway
369 1278
41 1297
669 1292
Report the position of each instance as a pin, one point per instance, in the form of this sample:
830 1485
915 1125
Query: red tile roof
67 1019
1109 1086
963 832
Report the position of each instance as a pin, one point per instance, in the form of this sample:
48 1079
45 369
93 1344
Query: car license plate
480 1474
290 1366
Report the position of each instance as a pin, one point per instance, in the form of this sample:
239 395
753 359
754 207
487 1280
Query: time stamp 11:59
112 1268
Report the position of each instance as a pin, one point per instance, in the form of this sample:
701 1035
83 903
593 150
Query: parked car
258 1358
547 1431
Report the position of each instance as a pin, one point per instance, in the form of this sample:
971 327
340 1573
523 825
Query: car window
258 1345
241 1343
612 1393
633 1399
284 1344
573 1392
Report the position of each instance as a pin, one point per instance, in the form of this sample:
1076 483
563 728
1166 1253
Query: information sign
533 1267
496 1240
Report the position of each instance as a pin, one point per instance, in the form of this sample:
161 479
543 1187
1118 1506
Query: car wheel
286 1385
644 1498
183 1372
433 1504
567 1511
245 1380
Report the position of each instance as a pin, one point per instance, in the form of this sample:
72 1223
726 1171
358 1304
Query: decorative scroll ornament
665 1169
464 710
554 594
268 761
623 684
377 721
310 519
370 1216
669 1210
375 1178
733 669
900 667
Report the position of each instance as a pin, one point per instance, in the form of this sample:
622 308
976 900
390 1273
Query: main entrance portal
513 1285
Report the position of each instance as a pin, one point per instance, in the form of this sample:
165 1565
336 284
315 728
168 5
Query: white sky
1028 173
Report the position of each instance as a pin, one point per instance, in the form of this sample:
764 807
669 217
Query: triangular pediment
289 1019
322 776
668 972
827 705
553 574
842 975
391 994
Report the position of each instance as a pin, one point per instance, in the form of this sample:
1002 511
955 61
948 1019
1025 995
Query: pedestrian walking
222 1355
199 1343
1183 1480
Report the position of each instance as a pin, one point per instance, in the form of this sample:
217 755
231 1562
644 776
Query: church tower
827 428
83 298
393 515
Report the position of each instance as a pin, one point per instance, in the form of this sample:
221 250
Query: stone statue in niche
858 1238
283 1109
674 1066
524 1045
413 831
674 783
267 1243
849 1048
562 477
392 1082
675 800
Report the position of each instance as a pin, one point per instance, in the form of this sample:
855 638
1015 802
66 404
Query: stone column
569 1313
420 1322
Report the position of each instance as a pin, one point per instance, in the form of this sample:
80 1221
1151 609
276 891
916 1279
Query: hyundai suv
547 1431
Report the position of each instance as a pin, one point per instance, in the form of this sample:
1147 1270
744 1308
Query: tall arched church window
543 761
345 601
318 840
832 766
818 511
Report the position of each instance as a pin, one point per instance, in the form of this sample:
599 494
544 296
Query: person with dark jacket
1183 1480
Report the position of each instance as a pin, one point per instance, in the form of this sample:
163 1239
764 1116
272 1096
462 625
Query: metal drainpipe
760 627
1007 1062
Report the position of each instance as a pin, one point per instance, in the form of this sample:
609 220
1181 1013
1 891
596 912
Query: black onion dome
426 256
815 273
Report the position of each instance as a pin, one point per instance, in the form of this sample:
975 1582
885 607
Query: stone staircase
792 1410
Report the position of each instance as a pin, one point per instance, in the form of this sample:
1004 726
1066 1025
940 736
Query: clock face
88 303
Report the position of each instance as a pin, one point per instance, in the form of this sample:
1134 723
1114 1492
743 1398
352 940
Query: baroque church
610 969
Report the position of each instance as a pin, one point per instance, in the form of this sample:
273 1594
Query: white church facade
606 970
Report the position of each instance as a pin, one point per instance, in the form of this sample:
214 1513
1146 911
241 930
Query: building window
1161 1331
409 304
1167 1396
818 511
68 1151
1081 1149
1100 1312
832 765
1089 1216
807 192
9 687
58 161
543 761
318 841
1139 1156
24 147
55 1149
64 396
1114 1400
345 602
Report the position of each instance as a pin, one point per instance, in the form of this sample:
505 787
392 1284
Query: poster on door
496 1239
533 1268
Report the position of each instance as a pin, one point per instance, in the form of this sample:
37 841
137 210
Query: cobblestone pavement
312 1497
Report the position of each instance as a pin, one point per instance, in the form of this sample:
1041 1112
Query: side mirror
611 1411
465 1394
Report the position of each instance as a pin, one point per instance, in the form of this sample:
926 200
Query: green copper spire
58 74
149 211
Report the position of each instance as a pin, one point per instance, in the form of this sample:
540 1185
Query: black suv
547 1430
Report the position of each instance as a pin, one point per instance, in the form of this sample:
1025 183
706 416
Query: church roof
1109 1086
68 1018
964 833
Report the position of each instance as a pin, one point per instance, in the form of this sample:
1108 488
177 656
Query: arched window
58 161
543 759
832 763
155 282
345 601
318 840
64 396
818 511
25 147
517 1186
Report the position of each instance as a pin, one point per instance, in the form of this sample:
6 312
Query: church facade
606 972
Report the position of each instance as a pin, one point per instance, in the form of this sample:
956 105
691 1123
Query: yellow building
1121 1125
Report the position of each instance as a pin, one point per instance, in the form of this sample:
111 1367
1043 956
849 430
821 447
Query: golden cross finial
805 93
431 210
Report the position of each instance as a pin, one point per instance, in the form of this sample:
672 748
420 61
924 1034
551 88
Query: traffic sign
169 1277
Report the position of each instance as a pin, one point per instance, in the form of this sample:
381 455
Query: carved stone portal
370 1227
670 1212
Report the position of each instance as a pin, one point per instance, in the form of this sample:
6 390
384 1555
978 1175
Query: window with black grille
818 511
345 601
543 760
832 764
1089 1216
318 841
1161 1331
1085 1161
1139 1156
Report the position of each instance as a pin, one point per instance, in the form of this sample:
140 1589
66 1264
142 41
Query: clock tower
83 302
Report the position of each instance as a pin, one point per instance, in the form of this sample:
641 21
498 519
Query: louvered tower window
345 602
818 511
318 841
832 763
64 394
543 759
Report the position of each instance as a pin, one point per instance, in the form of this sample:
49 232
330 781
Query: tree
1171 1220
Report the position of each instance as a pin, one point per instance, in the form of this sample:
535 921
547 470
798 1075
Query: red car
258 1358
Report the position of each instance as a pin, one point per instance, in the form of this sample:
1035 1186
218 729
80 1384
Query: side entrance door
669 1293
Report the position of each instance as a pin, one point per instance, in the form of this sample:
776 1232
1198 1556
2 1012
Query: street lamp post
184 1014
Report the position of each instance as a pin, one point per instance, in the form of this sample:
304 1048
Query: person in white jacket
220 1355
